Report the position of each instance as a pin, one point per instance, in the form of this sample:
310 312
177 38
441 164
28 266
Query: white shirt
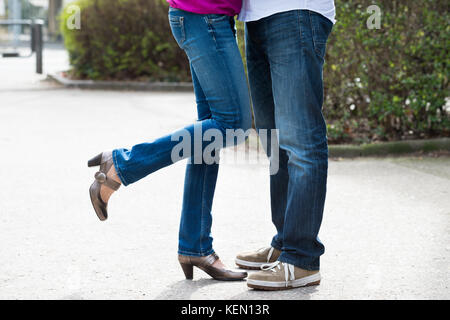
257 9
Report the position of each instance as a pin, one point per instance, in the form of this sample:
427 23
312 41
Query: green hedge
124 40
392 82
380 84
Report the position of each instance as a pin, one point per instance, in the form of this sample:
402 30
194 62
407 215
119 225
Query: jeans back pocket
177 27
321 28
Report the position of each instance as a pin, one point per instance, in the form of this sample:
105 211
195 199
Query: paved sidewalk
386 227
17 74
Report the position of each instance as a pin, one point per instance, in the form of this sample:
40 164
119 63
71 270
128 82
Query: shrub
125 39
392 82
380 84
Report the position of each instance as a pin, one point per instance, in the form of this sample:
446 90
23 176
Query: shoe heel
188 270
96 161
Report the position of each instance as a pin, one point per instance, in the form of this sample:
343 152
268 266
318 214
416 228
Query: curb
121 85
378 149
335 151
389 148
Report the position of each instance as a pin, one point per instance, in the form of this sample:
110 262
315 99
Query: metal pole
16 15
2 8
38 42
33 37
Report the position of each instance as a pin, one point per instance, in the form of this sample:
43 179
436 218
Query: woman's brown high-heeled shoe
206 264
104 160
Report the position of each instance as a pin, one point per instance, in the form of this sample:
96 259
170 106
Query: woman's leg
218 74
210 44
199 185
196 219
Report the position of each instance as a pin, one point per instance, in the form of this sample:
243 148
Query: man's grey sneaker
282 276
256 259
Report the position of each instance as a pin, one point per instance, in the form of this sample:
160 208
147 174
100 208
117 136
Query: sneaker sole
248 264
312 280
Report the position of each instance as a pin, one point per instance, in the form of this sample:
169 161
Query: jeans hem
276 245
118 170
296 261
195 254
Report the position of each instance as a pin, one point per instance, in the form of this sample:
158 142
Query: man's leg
260 81
295 44
263 106
296 48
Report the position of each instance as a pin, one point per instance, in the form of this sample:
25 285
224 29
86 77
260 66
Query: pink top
228 7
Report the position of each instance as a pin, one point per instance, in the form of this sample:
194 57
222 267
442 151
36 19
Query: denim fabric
223 102
285 56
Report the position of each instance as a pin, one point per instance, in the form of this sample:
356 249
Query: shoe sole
312 280
248 265
189 273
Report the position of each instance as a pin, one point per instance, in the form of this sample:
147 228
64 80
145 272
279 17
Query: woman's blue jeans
285 56
223 104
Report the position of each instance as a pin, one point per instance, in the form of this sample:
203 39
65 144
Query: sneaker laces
270 252
275 266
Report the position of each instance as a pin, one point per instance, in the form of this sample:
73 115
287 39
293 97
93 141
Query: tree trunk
54 7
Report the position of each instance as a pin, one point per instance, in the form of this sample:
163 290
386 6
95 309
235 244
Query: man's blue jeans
223 102
285 56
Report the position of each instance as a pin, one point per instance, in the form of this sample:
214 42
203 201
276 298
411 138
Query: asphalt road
386 225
